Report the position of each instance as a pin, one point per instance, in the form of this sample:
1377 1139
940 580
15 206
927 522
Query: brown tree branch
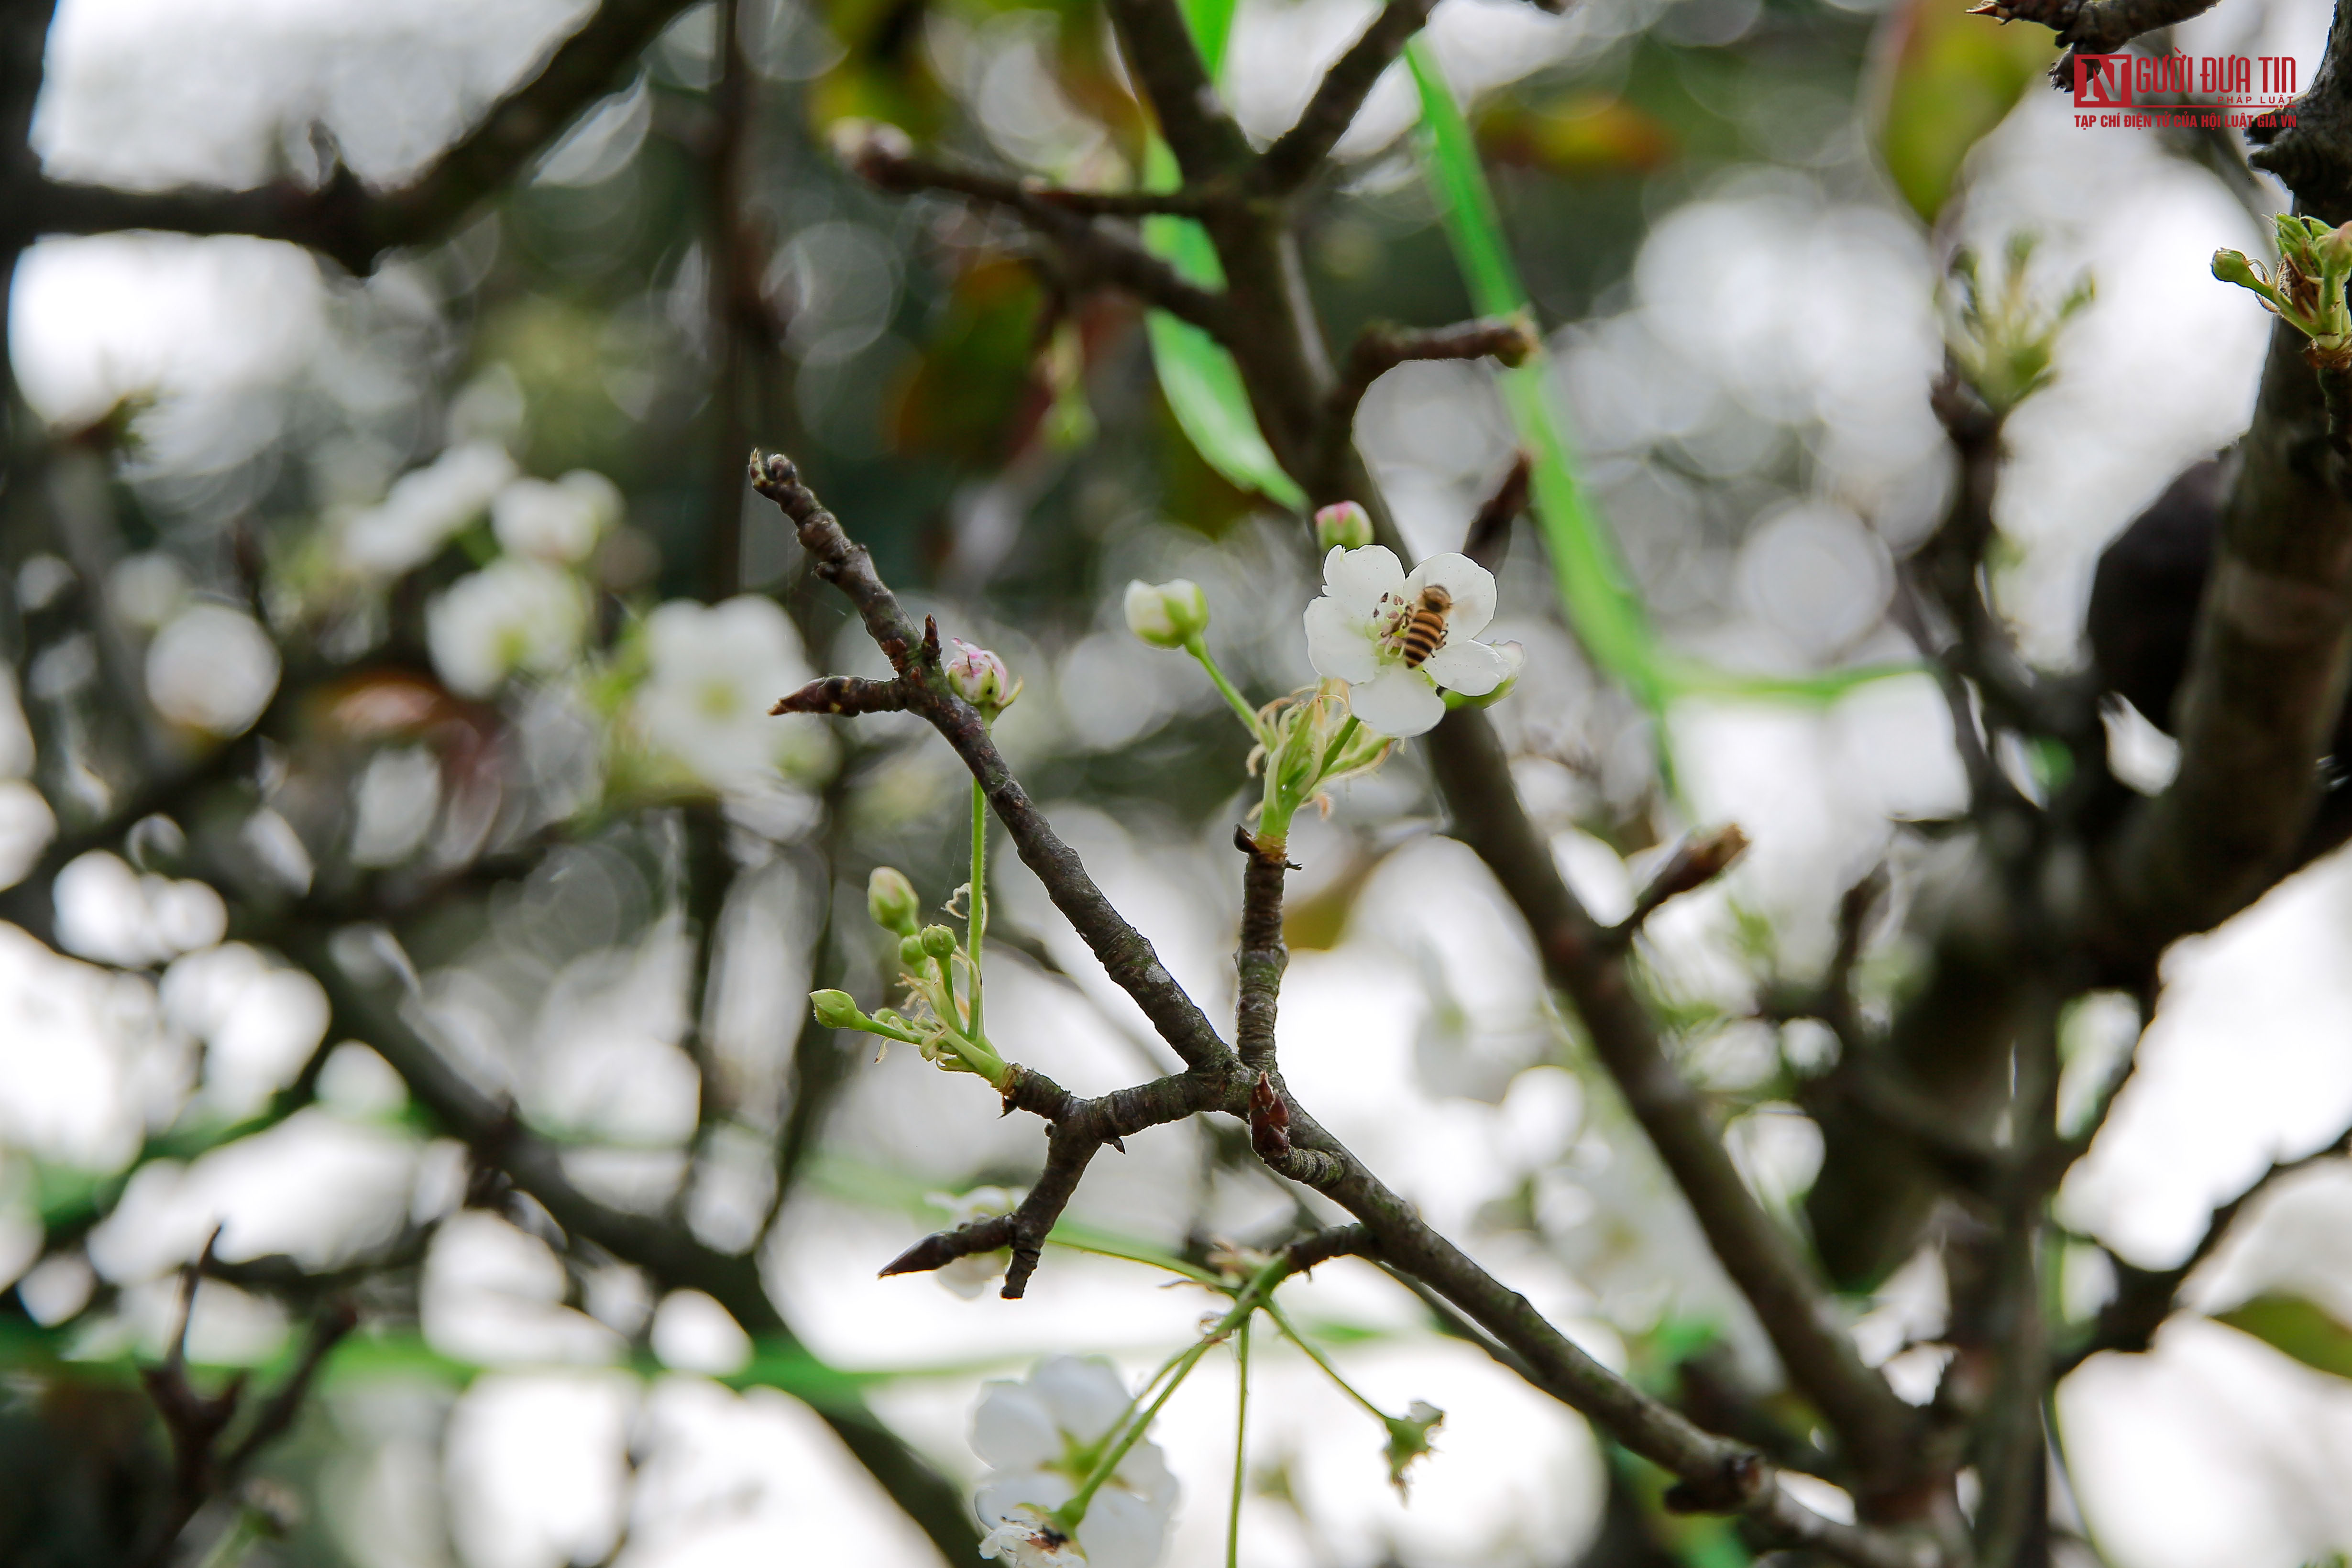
345 219
2144 1298
1721 1475
1874 1427
1091 253
1124 952
1194 118
1262 958
2091 26
1295 155
1382 346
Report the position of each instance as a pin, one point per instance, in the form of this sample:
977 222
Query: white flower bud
1343 526
1168 615
980 678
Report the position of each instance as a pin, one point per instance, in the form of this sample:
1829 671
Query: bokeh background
468 538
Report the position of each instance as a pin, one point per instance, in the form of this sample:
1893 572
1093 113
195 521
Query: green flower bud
2232 266
2336 250
836 1010
1168 615
937 941
891 900
910 952
1343 526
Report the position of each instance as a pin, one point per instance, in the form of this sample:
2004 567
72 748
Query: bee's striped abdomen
1424 631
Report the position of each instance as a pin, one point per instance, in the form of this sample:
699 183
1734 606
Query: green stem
976 924
1247 714
1338 744
1249 1299
1241 1437
1294 1337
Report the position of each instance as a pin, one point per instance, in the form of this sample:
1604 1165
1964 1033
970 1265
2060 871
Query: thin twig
1299 152
1090 254
344 219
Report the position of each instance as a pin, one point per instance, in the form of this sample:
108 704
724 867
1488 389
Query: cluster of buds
2002 337
936 1021
1309 745
2309 295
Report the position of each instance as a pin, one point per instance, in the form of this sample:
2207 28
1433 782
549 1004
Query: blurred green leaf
2294 1326
1945 79
1596 591
1199 380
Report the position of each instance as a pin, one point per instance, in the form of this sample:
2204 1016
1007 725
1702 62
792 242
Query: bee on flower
1398 639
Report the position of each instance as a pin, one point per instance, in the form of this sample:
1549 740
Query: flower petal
1398 702
1474 669
1471 586
1000 1497
1086 1397
1338 644
1357 578
1013 1428
1122 1531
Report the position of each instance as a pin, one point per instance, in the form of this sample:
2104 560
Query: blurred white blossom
716 670
1039 1436
1356 632
423 508
212 668
559 522
513 615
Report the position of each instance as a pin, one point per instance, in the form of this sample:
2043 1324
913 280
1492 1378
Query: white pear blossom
212 668
513 615
423 508
716 671
1356 633
559 522
1039 1437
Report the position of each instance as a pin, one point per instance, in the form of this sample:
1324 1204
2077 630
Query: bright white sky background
2209 1453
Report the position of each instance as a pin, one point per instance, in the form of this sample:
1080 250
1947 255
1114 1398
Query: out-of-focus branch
344 219
1295 155
2091 26
195 1423
1382 346
664 1251
1873 1427
1090 253
2144 1298
1715 1475
1194 118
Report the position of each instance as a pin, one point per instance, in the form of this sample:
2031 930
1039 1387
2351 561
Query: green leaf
1944 79
2294 1326
1199 380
